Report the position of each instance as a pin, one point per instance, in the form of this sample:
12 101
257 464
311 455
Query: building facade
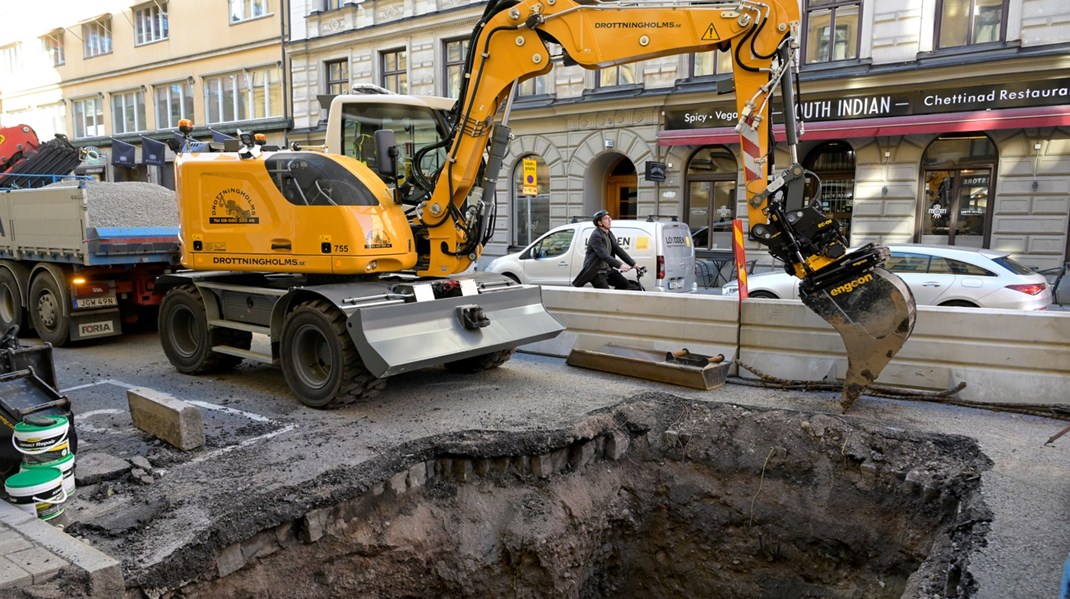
942 121
107 74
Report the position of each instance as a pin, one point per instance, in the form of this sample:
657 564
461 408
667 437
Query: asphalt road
1026 489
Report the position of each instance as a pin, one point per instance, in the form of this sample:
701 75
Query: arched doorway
958 180
622 190
710 203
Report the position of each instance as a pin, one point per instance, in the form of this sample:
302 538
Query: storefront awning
951 122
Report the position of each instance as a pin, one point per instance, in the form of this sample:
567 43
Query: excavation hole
657 497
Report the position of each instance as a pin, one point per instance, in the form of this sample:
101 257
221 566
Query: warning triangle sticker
711 34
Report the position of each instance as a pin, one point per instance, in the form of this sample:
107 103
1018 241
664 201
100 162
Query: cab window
310 179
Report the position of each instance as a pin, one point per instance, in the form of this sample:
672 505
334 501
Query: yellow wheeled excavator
354 280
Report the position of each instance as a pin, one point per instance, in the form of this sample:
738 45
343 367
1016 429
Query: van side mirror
386 153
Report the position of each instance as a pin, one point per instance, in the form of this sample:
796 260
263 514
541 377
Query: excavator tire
186 339
320 361
481 362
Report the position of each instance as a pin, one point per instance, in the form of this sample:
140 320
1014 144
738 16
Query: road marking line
245 443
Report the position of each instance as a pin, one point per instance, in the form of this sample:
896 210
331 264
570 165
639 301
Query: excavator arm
871 309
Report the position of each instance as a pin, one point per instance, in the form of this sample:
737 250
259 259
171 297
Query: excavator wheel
320 361
186 339
874 314
481 362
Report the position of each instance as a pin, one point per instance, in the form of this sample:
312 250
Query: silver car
938 276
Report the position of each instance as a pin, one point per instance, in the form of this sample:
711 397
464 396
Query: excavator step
240 326
243 353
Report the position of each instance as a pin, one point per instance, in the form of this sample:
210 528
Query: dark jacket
602 250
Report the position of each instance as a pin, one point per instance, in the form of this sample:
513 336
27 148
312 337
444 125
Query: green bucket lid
39 424
33 478
53 464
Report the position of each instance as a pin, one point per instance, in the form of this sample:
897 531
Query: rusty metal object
874 314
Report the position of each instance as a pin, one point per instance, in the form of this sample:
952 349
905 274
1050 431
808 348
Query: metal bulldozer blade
874 314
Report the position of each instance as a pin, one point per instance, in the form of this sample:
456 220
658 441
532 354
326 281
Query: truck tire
481 362
185 337
11 313
320 361
48 310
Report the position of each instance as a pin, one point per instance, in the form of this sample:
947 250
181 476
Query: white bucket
38 491
42 438
64 465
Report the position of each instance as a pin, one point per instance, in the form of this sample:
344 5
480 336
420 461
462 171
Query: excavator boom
871 308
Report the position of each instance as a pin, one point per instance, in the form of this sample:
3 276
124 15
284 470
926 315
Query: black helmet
598 216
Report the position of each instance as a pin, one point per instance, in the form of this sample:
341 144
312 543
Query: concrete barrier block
171 420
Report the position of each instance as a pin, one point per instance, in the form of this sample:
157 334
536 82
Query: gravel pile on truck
80 258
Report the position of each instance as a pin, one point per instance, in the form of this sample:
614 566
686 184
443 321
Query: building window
834 164
127 112
967 22
332 4
96 37
242 10
337 77
531 203
150 23
394 68
711 63
174 102
623 74
52 45
10 61
831 30
248 94
536 86
88 114
456 52
710 205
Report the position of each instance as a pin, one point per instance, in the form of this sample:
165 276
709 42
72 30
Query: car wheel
762 295
480 363
511 277
959 304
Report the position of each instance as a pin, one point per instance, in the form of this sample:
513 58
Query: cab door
549 261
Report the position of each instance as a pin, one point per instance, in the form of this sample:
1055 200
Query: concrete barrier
1003 356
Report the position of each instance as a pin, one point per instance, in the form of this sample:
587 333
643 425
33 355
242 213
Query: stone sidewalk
33 551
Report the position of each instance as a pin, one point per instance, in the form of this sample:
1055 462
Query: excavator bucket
874 314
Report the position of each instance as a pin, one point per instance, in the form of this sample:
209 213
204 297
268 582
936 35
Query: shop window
958 180
834 164
531 200
710 205
968 22
831 30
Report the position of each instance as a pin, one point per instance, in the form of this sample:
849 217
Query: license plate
674 284
96 302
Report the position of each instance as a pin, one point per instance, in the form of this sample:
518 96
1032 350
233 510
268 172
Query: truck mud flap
398 338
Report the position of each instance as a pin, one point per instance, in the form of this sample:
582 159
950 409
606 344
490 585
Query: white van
663 247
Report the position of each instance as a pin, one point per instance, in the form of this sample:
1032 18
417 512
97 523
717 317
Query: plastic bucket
38 491
42 439
64 465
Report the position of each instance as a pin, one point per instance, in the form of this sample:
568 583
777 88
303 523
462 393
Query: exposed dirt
657 496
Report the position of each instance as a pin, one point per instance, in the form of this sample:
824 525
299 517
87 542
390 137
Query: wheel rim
184 337
47 310
311 357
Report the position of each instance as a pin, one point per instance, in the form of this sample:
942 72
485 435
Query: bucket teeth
874 314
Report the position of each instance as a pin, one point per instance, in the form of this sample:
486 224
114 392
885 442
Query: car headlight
730 290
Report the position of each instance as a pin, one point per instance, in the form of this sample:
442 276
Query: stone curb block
172 420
